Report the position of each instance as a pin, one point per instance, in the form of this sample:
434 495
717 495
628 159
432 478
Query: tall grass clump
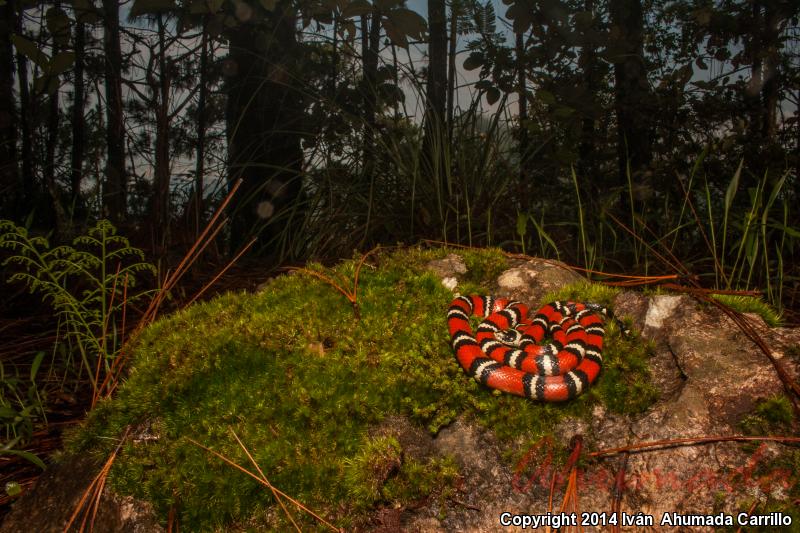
377 184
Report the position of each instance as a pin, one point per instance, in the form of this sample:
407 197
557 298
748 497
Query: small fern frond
78 282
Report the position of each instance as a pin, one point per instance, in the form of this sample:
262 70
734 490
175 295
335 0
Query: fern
485 18
474 17
87 284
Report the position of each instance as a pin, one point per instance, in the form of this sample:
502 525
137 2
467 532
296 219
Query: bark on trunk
9 177
199 171
78 121
115 198
435 101
264 118
27 110
160 206
631 91
590 67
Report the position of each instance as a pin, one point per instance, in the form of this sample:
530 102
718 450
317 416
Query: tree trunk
433 160
161 181
78 120
9 177
771 74
264 117
115 200
634 143
371 31
591 79
455 9
199 171
53 121
27 110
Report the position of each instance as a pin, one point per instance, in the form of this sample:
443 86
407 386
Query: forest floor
26 328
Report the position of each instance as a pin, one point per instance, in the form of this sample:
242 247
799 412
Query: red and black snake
505 353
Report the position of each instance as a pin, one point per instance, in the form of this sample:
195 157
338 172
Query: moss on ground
751 304
301 382
769 417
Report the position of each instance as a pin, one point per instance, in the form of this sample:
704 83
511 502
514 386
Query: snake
507 353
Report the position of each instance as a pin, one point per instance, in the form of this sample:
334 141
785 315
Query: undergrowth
88 285
301 382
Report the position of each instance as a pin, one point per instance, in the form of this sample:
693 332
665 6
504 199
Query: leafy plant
19 411
87 284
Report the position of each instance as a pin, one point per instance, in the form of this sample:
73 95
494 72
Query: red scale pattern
576 374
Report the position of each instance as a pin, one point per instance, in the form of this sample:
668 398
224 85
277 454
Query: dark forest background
588 130
627 136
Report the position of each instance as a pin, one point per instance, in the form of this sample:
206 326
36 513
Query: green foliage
302 383
484 265
370 468
770 416
379 472
21 406
52 68
87 284
21 403
625 384
584 291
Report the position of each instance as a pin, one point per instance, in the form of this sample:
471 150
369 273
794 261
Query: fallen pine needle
265 480
254 476
689 442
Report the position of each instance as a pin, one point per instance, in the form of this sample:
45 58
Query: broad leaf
37 362
475 60
407 21
546 97
30 50
85 11
62 62
356 8
147 7
58 24
269 5
493 95
26 455
397 37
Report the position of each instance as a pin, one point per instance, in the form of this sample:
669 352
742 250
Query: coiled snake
506 355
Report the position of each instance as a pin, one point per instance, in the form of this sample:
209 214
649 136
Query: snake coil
506 354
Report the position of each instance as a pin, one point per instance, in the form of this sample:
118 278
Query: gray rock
48 507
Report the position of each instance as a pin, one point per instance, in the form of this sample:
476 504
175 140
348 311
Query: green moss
625 385
372 466
751 304
484 266
770 416
301 382
379 473
584 291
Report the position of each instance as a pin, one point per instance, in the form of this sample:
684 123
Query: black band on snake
506 355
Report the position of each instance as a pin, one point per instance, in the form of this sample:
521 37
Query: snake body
506 353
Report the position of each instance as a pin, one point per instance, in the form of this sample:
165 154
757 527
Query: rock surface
708 373
49 507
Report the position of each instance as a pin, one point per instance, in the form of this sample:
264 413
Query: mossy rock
301 382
